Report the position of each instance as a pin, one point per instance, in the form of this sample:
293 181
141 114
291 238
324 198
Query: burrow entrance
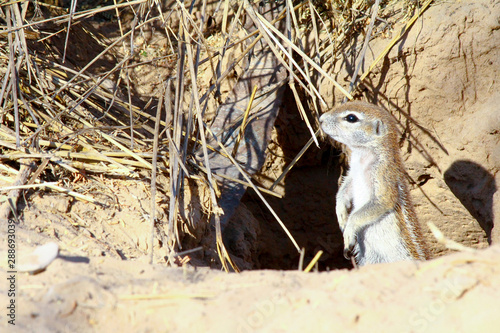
307 206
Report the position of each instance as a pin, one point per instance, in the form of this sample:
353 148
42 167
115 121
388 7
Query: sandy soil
443 74
456 293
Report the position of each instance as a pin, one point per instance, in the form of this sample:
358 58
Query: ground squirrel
373 207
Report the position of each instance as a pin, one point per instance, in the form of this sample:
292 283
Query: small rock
39 259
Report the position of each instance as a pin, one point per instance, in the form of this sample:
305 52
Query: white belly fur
381 241
359 174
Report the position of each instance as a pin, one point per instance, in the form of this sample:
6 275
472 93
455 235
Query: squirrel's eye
351 118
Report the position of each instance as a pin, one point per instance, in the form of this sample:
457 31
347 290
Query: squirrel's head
359 124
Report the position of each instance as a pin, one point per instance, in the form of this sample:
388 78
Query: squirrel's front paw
349 241
342 218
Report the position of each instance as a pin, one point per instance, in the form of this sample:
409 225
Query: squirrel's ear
379 127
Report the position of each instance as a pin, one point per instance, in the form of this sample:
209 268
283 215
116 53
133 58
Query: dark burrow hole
307 207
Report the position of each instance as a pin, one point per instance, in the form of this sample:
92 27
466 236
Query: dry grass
69 102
